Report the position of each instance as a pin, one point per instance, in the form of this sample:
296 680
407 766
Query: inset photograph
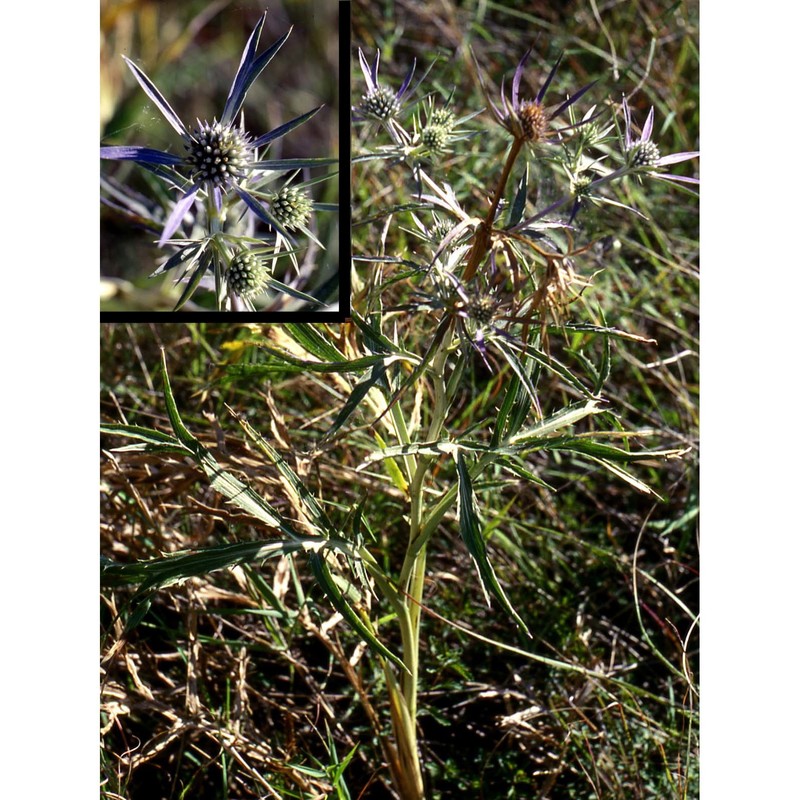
219 157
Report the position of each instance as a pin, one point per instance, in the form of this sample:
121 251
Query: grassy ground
235 684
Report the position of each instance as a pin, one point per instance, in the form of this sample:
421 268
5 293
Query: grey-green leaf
472 535
322 573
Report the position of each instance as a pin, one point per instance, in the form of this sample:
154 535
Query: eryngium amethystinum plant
487 289
488 286
221 193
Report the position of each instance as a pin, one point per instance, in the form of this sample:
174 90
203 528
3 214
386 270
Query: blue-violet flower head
642 155
220 155
529 120
380 102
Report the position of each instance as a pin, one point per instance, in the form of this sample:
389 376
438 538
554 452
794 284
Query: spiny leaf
356 396
226 484
444 447
354 365
150 438
473 538
322 573
160 572
555 422
311 507
549 362
313 341
194 281
296 293
518 207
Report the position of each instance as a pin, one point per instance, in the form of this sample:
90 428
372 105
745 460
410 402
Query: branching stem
483 236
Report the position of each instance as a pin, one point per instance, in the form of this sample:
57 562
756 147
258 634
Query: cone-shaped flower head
526 119
642 154
290 207
247 275
380 102
219 155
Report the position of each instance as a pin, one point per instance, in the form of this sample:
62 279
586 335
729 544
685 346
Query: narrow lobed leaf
470 528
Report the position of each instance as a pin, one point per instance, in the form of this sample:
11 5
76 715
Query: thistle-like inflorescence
442 117
438 129
380 102
580 185
482 309
247 275
590 132
643 154
529 123
218 154
528 120
435 138
290 207
439 229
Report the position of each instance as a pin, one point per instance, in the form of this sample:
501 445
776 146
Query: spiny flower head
290 207
482 309
247 275
580 185
380 102
439 229
443 117
220 155
525 119
438 130
642 154
435 138
590 132
217 154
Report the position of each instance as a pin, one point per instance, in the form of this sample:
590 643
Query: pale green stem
216 220
412 577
